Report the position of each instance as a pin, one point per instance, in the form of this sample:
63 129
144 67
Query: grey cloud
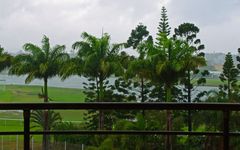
218 21
206 12
63 21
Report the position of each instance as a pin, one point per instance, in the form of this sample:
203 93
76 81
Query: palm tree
99 61
169 62
40 63
38 119
5 59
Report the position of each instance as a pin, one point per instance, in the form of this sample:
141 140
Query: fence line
226 108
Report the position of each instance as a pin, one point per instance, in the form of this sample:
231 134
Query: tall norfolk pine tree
229 78
170 63
163 31
163 24
170 60
163 27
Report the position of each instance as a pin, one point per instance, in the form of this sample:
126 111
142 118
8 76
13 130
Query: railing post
226 129
26 115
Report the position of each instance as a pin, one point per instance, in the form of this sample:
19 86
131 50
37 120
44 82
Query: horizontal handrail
117 105
226 108
113 132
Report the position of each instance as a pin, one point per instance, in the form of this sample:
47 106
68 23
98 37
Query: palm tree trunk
143 112
98 100
45 90
229 90
97 86
168 144
101 113
159 92
189 88
46 140
142 94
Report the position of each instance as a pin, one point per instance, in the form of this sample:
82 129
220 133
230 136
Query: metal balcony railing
226 108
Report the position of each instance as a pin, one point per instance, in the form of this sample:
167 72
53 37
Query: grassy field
12 120
215 82
19 93
22 94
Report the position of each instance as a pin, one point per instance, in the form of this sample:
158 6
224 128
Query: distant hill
16 53
216 60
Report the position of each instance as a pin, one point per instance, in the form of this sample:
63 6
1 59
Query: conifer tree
157 93
137 36
139 67
229 78
188 33
163 27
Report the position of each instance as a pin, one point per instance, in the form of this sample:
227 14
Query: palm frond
46 45
38 120
5 59
32 49
31 76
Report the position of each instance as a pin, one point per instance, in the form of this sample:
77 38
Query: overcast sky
63 21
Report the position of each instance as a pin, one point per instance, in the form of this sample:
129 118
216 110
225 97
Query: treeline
165 70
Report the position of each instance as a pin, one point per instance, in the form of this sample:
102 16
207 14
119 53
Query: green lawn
12 120
19 93
215 82
22 94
